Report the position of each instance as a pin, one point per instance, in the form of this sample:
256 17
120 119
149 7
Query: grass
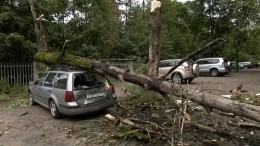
13 96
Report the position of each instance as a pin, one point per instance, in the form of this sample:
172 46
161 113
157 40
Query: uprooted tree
150 83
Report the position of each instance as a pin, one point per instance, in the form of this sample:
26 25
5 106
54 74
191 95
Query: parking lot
35 126
249 78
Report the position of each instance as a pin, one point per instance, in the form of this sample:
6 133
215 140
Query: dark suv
72 92
216 66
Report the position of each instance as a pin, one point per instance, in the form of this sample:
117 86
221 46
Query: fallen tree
152 83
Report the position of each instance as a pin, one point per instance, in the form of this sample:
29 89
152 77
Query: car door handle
49 91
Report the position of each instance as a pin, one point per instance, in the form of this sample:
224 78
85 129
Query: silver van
215 66
72 92
181 73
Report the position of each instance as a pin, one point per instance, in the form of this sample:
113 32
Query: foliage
124 132
111 29
15 95
4 86
19 102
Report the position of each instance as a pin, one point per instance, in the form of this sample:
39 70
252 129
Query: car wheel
54 110
31 100
214 72
177 78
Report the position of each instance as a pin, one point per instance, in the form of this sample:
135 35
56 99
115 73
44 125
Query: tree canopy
119 28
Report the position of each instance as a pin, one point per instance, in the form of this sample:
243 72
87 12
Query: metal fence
16 73
121 63
127 64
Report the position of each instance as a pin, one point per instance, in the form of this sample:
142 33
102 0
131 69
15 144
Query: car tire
213 72
177 78
54 109
31 100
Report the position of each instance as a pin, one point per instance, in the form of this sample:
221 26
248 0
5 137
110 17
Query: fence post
131 66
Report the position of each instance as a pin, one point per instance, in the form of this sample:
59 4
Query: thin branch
63 47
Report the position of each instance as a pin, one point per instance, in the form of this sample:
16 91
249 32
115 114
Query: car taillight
186 66
69 96
113 89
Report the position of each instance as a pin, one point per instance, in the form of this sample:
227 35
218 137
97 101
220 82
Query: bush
4 86
10 93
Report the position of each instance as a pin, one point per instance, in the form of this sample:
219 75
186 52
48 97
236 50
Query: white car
214 66
183 73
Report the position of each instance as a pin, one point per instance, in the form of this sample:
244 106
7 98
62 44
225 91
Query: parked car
247 64
68 92
216 66
233 65
185 72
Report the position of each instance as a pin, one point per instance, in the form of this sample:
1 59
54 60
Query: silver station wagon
72 92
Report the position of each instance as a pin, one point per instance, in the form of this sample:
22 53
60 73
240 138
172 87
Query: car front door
36 90
203 64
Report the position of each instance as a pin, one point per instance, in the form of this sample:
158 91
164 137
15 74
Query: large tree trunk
40 37
154 49
152 83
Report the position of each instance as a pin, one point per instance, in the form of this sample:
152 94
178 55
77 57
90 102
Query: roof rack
62 68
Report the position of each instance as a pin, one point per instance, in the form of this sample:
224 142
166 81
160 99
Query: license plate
102 94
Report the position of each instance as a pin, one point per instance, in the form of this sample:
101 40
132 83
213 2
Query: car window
50 80
202 62
213 61
88 80
164 64
61 81
41 79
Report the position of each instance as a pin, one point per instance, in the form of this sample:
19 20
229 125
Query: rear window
88 80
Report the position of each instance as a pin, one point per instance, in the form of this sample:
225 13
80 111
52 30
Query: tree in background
119 28
15 38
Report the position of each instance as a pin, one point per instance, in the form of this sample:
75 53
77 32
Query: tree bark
40 37
153 83
154 49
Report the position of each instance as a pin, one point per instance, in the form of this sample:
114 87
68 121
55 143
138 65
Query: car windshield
87 80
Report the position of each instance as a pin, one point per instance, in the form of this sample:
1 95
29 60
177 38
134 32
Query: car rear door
89 88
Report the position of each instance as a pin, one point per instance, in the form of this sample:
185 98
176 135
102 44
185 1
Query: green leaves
106 29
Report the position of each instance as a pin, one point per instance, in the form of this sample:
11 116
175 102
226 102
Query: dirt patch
35 126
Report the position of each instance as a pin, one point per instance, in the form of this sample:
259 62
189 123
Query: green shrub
12 93
20 102
4 86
